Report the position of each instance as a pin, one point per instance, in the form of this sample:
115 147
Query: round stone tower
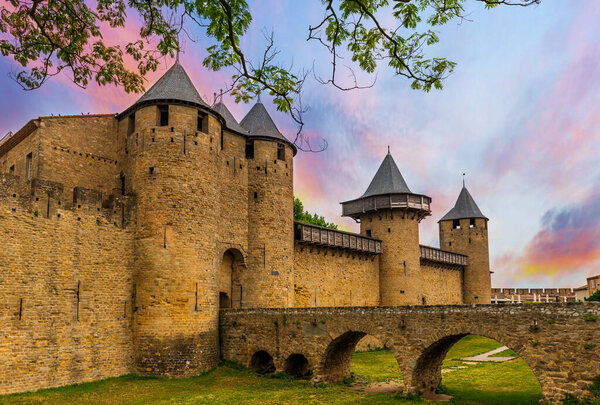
168 138
389 211
270 212
464 229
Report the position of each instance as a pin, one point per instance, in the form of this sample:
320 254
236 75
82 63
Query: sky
520 116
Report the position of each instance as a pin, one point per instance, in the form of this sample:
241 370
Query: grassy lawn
378 365
485 383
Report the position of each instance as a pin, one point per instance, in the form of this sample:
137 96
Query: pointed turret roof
387 180
259 123
465 207
230 120
175 84
387 190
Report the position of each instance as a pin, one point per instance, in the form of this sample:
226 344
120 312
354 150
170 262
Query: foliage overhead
306 217
47 37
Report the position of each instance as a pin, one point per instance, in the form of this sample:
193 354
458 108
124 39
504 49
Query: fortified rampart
66 286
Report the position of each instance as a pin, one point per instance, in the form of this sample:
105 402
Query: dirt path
488 356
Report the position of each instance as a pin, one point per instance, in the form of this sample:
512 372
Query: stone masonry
559 342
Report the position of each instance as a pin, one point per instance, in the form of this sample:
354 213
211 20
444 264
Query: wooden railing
442 256
408 201
318 235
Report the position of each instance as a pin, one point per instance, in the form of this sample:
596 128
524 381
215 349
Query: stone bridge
559 342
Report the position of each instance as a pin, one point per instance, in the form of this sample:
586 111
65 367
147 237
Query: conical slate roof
258 122
465 207
174 85
387 180
230 120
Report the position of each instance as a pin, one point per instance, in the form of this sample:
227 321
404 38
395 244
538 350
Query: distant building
532 294
593 284
581 293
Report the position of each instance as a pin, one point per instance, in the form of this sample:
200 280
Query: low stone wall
559 342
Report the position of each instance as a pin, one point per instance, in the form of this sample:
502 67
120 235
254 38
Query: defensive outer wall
555 340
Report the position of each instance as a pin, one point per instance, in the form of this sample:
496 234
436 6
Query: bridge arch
262 362
337 356
425 361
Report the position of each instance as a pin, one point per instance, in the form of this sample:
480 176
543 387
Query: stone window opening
29 166
122 179
130 124
250 149
151 170
456 223
255 195
262 363
202 124
471 222
11 170
449 243
369 233
280 151
163 112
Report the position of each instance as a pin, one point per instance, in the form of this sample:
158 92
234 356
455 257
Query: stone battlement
52 200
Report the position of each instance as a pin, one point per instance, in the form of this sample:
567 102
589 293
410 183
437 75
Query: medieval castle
124 234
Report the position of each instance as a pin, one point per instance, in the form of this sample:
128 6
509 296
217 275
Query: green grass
485 383
376 365
510 382
471 345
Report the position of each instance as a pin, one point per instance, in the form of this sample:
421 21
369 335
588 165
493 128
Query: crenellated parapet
51 200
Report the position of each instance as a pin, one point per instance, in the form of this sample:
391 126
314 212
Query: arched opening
363 362
231 289
474 369
262 362
296 365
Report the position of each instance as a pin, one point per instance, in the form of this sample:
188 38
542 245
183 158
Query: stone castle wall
441 285
327 277
65 287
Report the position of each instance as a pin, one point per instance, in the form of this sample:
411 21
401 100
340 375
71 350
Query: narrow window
471 222
29 166
280 151
131 124
369 233
12 169
456 223
202 122
250 149
222 139
449 243
122 177
163 111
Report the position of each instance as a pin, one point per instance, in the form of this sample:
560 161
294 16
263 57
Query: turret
390 211
270 212
464 230
169 141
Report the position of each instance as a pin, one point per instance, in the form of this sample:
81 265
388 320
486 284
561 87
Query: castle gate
559 342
